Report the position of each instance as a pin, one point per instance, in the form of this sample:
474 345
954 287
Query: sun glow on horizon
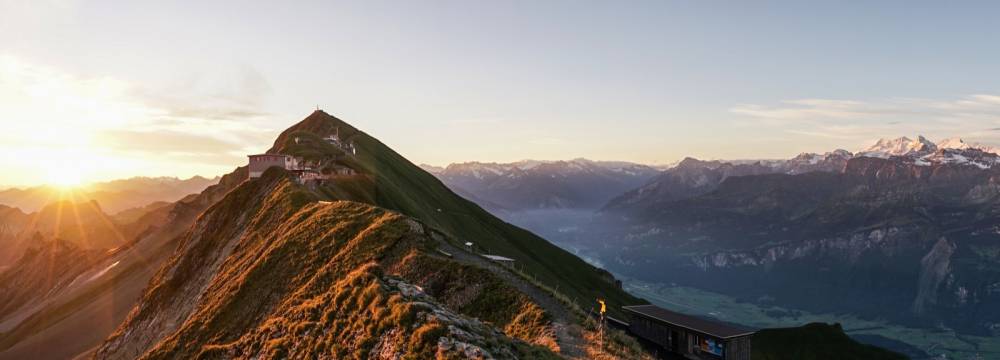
67 179
67 131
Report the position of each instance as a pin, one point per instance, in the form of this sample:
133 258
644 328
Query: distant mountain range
113 196
586 184
532 184
692 177
920 146
904 230
82 224
100 216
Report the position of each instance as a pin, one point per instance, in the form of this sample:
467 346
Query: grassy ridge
270 273
402 186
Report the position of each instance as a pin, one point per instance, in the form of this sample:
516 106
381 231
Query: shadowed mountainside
889 238
84 224
73 317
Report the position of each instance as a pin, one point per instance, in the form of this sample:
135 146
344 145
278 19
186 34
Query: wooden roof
694 323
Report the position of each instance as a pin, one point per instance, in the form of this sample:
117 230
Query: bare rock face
934 268
885 241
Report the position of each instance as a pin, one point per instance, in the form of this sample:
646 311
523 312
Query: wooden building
689 336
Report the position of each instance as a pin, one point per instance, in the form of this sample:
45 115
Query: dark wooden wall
650 330
659 333
738 348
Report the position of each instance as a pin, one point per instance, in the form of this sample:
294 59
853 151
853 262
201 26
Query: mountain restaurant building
689 336
261 162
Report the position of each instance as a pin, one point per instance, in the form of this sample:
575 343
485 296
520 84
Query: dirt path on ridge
568 332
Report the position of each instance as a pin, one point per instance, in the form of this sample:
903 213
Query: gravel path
568 332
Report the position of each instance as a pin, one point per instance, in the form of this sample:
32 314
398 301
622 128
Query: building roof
497 258
708 327
274 155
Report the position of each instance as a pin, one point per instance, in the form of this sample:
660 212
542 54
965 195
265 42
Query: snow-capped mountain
953 143
693 177
923 152
959 144
971 157
582 183
809 162
902 146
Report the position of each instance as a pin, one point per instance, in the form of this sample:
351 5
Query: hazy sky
93 90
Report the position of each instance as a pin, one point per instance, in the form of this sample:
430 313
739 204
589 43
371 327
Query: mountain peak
841 153
689 162
319 123
890 142
319 117
922 144
904 146
953 143
885 148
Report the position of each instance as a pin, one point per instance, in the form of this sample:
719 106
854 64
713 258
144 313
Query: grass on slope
477 292
402 186
269 273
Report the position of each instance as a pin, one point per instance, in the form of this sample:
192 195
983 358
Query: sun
65 177
65 182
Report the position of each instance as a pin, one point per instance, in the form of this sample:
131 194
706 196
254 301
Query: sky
96 90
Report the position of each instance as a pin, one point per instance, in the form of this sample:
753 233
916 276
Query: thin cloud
163 141
862 120
236 93
206 112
